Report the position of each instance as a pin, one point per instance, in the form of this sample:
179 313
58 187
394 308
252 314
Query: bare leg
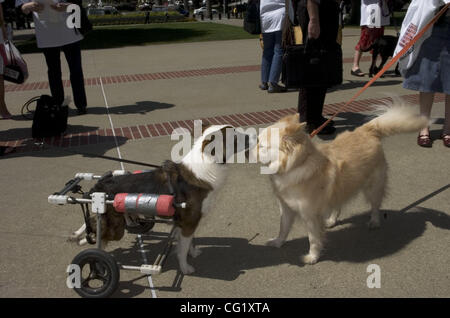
286 221
447 115
426 102
3 110
356 60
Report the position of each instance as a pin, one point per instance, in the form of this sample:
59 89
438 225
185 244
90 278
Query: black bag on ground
310 65
50 118
252 19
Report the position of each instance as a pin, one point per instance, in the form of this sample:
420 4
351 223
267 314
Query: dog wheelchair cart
99 273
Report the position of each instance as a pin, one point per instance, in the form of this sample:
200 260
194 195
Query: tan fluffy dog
315 180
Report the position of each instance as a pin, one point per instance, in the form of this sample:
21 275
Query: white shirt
50 26
272 15
373 15
419 14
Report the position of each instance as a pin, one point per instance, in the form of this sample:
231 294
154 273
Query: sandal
357 72
446 140
424 141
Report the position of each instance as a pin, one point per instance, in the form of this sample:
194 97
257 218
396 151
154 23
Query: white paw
194 252
373 224
82 242
310 259
330 222
276 242
187 269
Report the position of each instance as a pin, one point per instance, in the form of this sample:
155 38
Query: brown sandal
424 141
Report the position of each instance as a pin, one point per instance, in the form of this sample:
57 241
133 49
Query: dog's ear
206 142
211 137
205 125
290 118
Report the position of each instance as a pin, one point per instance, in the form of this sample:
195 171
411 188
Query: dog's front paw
82 242
276 242
187 269
310 259
194 252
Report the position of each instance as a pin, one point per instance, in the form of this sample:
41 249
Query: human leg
52 58
73 57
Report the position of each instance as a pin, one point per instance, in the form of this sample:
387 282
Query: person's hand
313 29
32 6
60 7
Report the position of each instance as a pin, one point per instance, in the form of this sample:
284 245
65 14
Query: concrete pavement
411 247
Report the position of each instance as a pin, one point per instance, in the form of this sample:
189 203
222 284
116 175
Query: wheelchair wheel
99 273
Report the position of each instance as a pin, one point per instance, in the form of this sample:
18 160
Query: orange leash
384 69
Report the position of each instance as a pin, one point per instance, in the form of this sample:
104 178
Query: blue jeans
272 57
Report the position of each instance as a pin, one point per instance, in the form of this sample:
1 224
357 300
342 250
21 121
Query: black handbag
311 65
50 118
252 19
315 63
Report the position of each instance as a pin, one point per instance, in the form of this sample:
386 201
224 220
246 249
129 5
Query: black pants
310 100
72 53
310 104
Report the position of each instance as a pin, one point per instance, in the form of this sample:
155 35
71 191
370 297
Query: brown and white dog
196 180
314 181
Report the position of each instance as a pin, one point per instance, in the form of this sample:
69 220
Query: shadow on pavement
347 121
68 146
142 108
25 133
350 241
350 84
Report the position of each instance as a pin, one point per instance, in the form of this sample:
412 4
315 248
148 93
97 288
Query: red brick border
118 79
104 135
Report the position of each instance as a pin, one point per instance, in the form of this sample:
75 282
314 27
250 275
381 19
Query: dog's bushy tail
399 118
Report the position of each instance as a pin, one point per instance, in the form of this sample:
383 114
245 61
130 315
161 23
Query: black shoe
275 88
263 86
82 111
